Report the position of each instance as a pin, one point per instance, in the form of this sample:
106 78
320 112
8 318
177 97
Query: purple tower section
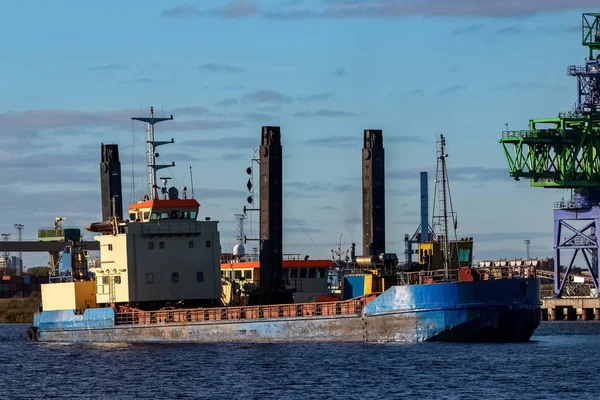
585 207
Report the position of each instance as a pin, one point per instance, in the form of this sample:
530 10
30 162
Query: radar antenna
151 153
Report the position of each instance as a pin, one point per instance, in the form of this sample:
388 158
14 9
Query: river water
561 362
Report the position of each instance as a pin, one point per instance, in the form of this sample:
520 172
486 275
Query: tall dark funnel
110 181
373 174
271 211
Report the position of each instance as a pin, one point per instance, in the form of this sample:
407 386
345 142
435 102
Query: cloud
316 189
266 96
430 8
509 236
324 113
467 29
517 86
36 124
238 9
324 96
181 11
235 9
235 142
259 117
204 193
203 125
470 174
231 69
226 102
356 140
416 92
516 30
108 67
451 90
194 110
35 120
341 71
144 81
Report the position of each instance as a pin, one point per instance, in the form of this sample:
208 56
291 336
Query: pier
571 309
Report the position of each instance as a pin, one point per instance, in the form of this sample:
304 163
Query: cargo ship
160 276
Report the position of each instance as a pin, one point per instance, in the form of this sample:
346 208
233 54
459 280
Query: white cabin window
117 279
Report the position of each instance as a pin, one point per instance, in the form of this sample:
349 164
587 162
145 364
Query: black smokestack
373 174
271 209
110 181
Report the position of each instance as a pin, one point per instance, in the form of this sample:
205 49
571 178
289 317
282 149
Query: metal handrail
161 317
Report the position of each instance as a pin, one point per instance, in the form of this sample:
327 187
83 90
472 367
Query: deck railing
135 317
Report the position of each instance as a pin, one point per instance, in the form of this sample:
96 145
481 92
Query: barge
159 278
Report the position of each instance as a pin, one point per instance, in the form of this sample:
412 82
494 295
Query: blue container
353 286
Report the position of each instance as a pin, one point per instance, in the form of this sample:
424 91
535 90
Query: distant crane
19 228
527 243
57 221
6 255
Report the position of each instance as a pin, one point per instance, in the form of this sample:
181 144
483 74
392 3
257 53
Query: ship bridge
151 210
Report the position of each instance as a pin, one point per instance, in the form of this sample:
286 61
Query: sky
322 70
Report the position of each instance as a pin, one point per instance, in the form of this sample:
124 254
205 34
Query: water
561 362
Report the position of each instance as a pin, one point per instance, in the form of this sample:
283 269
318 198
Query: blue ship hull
504 310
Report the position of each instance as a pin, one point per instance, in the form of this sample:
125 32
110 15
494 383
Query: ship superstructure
159 255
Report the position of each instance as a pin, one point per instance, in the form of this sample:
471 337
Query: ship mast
151 153
443 187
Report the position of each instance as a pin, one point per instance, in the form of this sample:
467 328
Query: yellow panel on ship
69 295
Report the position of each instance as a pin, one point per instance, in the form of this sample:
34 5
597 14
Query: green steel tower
564 153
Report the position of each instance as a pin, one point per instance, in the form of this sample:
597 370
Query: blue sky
322 70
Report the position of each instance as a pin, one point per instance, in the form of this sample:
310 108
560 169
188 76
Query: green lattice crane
564 153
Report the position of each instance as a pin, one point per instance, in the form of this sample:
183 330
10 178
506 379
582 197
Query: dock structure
571 309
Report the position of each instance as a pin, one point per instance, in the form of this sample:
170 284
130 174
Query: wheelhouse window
321 273
294 273
312 273
193 214
132 216
302 273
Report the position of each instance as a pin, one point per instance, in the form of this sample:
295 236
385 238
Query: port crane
564 153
